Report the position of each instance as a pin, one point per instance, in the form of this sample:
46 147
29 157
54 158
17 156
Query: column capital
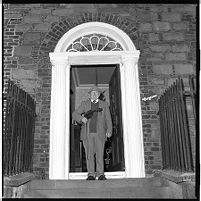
58 59
130 57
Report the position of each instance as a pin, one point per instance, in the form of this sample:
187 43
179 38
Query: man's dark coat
104 122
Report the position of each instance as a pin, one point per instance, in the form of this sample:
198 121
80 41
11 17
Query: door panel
117 162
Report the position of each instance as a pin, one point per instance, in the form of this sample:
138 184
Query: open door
117 159
114 147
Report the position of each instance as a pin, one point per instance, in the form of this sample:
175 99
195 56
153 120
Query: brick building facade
164 34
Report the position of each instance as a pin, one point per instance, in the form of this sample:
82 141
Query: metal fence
175 135
192 94
18 131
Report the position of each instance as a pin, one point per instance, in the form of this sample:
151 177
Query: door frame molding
60 104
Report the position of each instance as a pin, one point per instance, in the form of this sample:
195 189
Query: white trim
91 85
67 126
113 57
132 132
109 175
134 53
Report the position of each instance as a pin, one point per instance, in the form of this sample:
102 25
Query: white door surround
60 96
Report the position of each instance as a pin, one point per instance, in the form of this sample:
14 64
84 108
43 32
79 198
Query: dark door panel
117 162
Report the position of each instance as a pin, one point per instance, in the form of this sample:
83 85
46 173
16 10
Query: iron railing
175 135
192 94
18 131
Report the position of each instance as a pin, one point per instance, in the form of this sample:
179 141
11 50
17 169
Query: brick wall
164 34
167 50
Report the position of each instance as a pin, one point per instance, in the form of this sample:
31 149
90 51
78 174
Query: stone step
152 187
123 192
96 184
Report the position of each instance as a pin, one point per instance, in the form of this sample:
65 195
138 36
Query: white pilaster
59 124
67 124
133 146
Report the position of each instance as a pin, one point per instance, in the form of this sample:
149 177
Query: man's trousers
94 146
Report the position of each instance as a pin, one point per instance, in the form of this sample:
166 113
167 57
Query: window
94 42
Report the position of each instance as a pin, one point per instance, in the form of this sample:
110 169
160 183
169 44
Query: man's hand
84 120
108 135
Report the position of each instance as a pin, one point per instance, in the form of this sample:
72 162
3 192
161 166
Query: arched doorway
127 59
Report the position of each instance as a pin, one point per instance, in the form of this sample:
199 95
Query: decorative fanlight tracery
94 42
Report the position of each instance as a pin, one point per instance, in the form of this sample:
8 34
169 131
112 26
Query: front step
109 183
153 192
112 188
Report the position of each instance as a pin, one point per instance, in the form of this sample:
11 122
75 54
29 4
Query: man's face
94 95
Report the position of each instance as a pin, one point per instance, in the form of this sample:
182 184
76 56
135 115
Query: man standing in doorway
94 131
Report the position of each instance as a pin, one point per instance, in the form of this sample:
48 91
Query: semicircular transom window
94 42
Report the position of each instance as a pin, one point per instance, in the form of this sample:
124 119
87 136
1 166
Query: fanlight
94 42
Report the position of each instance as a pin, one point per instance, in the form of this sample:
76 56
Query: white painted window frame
60 105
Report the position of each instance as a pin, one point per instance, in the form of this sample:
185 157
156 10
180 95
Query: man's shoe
102 177
90 178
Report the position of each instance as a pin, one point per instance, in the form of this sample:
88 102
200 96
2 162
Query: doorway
107 77
62 60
